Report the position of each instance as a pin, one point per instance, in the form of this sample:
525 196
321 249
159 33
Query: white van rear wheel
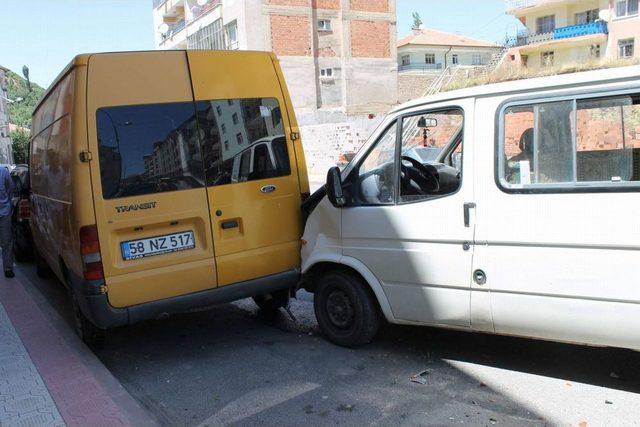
346 310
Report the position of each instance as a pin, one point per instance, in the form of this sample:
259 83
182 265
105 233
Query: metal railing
173 29
597 27
520 4
420 67
158 3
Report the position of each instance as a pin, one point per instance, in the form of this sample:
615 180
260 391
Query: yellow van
141 202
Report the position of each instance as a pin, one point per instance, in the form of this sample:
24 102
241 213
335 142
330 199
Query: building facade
6 154
332 52
559 32
432 51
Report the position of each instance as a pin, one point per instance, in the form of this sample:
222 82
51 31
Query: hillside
17 88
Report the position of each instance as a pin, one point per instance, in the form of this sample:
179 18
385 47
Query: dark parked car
22 242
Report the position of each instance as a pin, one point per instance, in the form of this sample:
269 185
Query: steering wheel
425 177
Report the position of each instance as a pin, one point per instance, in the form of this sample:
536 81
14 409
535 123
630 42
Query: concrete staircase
451 75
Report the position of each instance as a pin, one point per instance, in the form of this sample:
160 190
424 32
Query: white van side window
575 143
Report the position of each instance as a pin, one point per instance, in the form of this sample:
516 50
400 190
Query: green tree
20 145
20 111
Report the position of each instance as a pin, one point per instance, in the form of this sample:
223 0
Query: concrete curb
83 390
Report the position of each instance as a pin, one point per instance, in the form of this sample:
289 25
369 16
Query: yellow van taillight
90 250
24 210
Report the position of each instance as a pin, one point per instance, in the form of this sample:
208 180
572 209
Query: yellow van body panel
69 192
267 239
135 79
58 136
301 163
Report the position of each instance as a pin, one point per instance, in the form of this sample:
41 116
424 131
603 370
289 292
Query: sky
46 34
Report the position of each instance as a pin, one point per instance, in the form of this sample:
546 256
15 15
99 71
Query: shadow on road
203 364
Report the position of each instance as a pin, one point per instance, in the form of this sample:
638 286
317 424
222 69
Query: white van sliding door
558 228
409 230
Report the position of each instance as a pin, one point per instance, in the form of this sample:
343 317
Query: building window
235 118
219 111
587 17
231 31
223 128
455 59
239 138
229 102
406 60
547 59
430 58
324 25
208 37
626 7
595 51
476 59
226 146
546 24
326 73
625 48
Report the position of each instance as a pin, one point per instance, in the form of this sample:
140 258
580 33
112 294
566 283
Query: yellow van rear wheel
271 304
89 333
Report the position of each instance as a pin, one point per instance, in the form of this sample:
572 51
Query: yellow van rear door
250 168
151 204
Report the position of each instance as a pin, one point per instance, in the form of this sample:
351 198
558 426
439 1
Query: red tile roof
431 37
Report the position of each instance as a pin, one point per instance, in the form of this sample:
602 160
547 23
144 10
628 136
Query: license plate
158 245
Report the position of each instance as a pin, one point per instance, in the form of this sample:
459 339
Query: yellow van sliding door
249 162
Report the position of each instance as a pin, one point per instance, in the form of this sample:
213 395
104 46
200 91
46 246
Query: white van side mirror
334 188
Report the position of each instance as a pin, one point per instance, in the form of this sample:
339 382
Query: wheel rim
340 309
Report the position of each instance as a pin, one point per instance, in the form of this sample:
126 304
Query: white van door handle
268 189
467 213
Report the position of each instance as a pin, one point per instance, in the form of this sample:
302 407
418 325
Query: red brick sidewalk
84 391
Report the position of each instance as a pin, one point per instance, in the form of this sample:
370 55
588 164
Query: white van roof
550 82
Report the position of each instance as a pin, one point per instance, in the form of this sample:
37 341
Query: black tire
89 333
42 268
346 309
271 304
22 252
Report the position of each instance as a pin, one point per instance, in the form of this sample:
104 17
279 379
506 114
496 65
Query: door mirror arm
334 188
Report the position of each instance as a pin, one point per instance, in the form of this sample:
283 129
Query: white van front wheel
346 310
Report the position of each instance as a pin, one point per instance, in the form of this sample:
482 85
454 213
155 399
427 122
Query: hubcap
340 309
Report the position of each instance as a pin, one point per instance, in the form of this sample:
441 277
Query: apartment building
332 51
431 51
6 154
567 31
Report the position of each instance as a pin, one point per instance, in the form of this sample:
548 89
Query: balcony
515 6
420 67
173 30
598 27
563 33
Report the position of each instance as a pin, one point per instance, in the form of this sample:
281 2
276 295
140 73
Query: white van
526 223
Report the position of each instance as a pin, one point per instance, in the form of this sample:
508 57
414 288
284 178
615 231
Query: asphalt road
229 365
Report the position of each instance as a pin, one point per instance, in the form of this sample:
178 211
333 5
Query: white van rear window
574 143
